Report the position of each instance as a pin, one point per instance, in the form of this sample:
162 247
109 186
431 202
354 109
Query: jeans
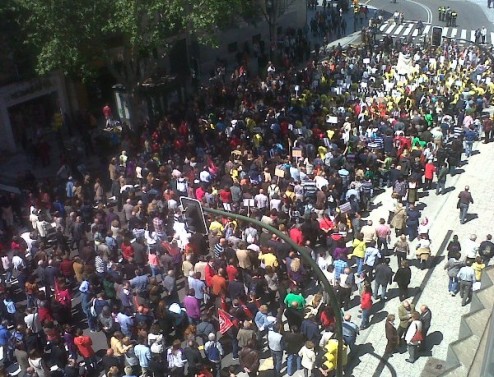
412 351
383 287
360 265
293 363
412 231
453 285
216 369
382 244
365 318
277 362
155 270
463 212
235 347
8 276
441 186
468 148
307 372
465 291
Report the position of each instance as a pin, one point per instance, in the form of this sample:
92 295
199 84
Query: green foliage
78 36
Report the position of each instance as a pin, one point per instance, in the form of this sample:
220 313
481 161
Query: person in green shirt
295 296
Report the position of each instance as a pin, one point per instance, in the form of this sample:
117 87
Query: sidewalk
427 286
446 310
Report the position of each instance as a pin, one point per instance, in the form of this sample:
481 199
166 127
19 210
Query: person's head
347 317
128 371
382 221
406 304
478 260
211 337
489 237
404 264
109 352
309 345
263 309
415 316
467 188
390 318
473 237
423 308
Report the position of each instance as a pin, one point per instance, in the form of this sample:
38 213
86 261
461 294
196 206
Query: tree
127 36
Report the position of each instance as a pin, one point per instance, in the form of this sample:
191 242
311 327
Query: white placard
331 119
363 84
366 61
249 203
227 207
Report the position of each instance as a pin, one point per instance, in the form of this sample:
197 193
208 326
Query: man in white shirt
471 248
261 200
466 276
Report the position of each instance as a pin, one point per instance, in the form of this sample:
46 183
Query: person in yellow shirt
117 346
478 266
216 226
268 259
359 251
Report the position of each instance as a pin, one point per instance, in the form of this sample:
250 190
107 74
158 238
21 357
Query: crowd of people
303 150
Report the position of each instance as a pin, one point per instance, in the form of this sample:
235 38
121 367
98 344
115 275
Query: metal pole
308 259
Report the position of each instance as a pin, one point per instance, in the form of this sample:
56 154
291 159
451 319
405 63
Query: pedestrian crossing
408 29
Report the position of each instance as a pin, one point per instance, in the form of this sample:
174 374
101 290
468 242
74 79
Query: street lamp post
333 300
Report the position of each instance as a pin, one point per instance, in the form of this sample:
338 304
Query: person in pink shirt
383 233
154 263
192 307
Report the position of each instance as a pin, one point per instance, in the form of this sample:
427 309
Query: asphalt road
470 16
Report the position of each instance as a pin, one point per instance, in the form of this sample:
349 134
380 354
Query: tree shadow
354 356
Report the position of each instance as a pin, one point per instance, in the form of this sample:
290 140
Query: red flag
225 321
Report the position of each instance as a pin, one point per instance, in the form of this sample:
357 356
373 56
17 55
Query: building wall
295 17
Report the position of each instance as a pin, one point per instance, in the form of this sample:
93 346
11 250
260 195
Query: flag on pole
225 321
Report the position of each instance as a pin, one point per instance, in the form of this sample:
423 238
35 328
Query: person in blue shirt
470 137
5 334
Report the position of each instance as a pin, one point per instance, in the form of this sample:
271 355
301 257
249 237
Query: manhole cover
433 367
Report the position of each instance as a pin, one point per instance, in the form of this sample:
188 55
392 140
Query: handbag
458 204
418 336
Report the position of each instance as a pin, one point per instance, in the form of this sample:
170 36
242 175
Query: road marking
492 37
453 32
463 34
427 10
408 29
445 31
472 36
415 33
399 29
383 26
388 31
426 29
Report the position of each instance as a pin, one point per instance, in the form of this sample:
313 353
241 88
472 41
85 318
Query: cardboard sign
279 172
249 203
296 152
331 119
366 61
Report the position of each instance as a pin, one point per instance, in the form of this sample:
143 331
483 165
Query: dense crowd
303 150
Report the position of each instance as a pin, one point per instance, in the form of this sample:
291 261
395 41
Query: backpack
213 353
181 185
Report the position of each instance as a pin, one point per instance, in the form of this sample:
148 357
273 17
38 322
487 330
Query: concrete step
466 354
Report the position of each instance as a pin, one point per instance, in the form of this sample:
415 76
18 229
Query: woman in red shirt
366 305
127 250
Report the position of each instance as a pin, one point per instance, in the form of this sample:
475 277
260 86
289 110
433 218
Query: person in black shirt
193 357
486 249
